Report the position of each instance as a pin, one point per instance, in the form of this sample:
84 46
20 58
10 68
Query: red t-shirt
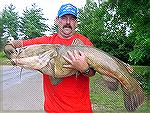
72 95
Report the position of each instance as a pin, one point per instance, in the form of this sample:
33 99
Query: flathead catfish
49 59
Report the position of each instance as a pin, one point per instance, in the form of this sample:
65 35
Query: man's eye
63 18
73 19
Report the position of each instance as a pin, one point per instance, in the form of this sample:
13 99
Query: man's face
67 25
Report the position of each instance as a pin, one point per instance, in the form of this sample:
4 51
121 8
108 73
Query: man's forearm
16 43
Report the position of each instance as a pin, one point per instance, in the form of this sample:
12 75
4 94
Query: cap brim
69 13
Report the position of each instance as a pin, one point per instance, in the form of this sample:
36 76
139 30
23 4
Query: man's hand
9 50
76 60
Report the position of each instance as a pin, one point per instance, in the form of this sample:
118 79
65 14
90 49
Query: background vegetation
120 27
30 25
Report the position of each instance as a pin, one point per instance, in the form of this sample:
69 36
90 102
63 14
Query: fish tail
134 97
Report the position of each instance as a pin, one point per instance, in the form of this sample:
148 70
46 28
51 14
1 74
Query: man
71 95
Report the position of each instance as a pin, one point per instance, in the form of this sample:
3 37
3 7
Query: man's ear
76 24
56 21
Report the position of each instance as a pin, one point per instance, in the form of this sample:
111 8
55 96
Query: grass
3 59
106 101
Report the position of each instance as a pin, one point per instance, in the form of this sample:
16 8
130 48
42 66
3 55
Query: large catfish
48 59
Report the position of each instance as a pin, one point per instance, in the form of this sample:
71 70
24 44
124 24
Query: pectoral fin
77 42
111 83
55 81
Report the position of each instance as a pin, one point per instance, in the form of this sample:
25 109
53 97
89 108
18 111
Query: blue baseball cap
67 9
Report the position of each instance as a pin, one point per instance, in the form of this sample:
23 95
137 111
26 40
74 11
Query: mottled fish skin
101 61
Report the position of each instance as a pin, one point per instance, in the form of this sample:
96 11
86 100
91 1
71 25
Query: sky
50 7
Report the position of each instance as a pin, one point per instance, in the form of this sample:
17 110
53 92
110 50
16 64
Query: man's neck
65 37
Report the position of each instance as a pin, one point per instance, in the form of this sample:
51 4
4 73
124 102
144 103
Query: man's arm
77 61
16 43
11 47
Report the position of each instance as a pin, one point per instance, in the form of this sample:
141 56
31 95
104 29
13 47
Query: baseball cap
67 9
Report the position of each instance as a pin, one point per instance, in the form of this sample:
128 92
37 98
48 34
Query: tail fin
134 98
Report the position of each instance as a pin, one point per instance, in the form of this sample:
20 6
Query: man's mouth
67 27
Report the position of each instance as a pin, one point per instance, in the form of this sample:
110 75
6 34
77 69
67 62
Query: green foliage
2 55
1 32
10 21
32 22
137 15
54 28
1 26
141 52
91 21
142 73
97 23
120 27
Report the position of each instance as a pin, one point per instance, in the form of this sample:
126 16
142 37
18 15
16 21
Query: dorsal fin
77 42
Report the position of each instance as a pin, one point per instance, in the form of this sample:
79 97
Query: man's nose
68 21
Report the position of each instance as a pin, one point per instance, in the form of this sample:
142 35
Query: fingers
81 54
71 55
76 54
76 60
67 59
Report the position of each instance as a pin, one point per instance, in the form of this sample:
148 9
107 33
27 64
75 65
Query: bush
2 54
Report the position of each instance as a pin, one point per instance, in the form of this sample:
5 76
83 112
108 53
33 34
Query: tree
137 15
10 21
97 23
32 22
91 21
1 31
54 28
120 27
1 26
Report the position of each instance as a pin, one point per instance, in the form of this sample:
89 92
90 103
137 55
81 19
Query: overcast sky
50 7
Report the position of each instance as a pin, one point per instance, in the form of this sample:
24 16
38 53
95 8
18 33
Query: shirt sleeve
38 40
84 39
88 42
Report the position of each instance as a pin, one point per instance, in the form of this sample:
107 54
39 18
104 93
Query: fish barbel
48 59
